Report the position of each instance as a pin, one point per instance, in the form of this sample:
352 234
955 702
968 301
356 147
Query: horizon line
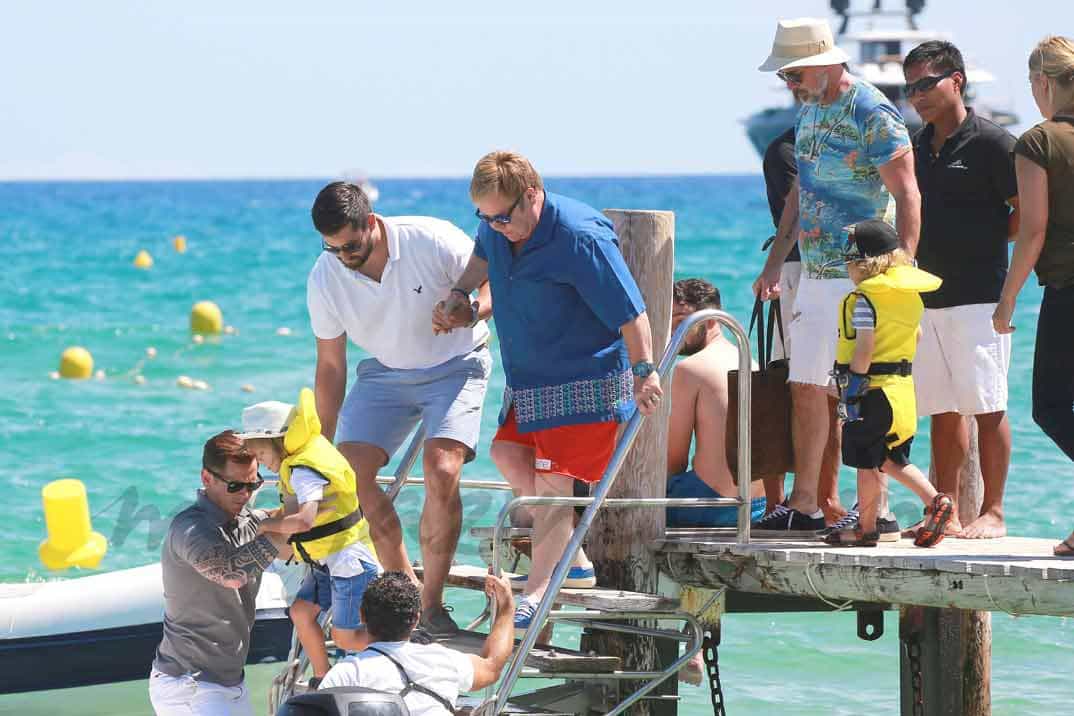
372 177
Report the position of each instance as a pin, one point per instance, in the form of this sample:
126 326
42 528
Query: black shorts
866 441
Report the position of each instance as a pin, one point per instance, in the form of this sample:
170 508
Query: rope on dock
837 607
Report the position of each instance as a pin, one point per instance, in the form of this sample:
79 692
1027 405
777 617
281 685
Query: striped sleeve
864 318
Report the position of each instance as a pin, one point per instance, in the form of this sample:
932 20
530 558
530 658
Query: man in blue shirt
574 339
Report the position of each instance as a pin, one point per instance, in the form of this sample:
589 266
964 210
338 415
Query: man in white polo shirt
377 283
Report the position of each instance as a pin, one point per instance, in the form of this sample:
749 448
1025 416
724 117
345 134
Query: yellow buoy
179 242
206 317
76 362
71 540
143 260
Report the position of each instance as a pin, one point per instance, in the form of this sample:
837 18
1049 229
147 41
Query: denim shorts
386 403
342 594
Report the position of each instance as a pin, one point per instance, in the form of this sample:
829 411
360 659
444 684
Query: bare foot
694 670
1065 548
990 525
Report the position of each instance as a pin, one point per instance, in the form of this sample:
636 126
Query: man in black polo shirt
965 173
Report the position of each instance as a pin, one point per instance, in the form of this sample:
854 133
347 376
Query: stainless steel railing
597 500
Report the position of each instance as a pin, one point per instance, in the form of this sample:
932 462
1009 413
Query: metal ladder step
548 660
506 532
604 600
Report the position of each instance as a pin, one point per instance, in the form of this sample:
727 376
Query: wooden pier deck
1017 575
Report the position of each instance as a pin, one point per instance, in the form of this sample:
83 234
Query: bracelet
459 290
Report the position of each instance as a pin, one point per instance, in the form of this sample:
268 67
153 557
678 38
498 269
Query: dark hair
223 448
338 205
698 293
391 607
940 56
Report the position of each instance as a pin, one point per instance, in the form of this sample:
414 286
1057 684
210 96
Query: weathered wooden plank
1007 556
473 577
1015 594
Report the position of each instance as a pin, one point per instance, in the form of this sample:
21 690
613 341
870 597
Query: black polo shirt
780 169
964 212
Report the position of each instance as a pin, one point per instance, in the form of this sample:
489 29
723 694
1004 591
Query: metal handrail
559 574
402 472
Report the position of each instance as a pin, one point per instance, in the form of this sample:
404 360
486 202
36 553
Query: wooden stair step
604 600
545 658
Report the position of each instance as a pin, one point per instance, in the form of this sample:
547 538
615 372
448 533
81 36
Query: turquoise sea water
67 248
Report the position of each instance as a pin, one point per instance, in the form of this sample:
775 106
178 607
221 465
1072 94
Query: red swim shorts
579 451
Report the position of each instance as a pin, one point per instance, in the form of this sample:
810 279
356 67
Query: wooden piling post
952 668
620 541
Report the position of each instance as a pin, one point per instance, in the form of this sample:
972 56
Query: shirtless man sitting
699 412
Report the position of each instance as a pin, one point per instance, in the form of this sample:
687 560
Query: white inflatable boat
105 628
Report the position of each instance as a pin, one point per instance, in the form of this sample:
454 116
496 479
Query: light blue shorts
342 594
386 404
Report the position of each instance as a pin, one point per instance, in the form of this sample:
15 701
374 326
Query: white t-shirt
392 320
444 671
309 486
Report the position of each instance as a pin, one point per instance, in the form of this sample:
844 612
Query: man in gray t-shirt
211 562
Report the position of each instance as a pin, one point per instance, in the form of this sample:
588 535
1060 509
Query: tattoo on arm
232 567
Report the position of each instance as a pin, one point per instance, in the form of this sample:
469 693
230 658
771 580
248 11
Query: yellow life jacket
306 447
895 298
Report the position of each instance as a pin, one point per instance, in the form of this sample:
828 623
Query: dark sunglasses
500 218
792 76
925 83
234 486
350 247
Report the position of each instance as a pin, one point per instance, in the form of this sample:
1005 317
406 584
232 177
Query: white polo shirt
392 320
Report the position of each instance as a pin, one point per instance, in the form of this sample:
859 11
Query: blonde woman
1044 163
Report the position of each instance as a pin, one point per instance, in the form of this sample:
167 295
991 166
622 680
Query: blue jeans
688 484
342 594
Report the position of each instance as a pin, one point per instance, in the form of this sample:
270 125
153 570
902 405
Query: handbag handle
758 319
775 315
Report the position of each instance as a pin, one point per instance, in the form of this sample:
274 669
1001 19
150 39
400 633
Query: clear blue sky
273 89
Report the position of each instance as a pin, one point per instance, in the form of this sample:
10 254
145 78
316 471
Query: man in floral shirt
855 162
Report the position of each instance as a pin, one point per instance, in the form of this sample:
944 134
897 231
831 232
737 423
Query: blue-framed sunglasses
500 218
847 254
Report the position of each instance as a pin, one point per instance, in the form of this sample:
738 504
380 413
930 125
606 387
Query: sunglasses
234 486
351 247
794 77
925 83
500 218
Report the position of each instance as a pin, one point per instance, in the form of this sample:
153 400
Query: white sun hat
269 419
803 42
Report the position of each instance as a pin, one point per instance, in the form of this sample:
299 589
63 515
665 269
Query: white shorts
814 328
961 362
789 276
185 696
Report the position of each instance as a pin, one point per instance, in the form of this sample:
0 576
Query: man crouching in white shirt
429 677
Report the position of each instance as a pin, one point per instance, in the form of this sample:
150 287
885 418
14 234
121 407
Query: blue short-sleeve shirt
558 306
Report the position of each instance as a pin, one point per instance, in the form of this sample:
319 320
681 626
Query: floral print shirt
839 147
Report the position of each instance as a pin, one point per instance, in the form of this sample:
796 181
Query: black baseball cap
870 238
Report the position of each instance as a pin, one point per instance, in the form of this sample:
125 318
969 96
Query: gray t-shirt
207 625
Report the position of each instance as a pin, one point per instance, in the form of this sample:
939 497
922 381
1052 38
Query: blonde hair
876 265
506 173
1053 57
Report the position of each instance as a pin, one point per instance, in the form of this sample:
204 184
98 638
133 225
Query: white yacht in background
354 176
880 52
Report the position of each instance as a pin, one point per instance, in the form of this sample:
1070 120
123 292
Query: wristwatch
475 308
643 368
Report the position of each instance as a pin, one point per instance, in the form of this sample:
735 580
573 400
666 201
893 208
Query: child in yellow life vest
322 518
879 325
